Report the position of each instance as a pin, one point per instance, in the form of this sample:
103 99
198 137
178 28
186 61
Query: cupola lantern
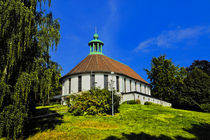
96 45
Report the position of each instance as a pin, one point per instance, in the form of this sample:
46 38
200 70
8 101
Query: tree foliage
187 88
166 78
93 102
203 65
196 90
27 75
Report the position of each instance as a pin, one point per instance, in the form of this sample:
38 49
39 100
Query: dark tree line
27 75
186 88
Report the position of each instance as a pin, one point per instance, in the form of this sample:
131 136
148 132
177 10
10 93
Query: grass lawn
133 122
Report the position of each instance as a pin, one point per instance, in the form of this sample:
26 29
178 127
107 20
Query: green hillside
133 122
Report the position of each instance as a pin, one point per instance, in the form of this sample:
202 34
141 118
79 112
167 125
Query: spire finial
95 35
95 30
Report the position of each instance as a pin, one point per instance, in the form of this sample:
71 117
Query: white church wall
127 85
85 82
143 88
138 86
122 84
99 79
112 77
127 97
66 88
132 85
63 88
149 91
74 86
121 89
143 99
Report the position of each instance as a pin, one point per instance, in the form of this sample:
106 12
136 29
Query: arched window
92 81
69 85
135 86
106 81
79 83
124 84
117 83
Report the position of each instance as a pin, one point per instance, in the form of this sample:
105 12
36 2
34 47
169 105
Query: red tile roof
101 63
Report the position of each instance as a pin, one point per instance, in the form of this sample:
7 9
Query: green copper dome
95 40
95 36
96 45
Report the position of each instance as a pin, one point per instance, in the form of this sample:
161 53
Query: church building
98 70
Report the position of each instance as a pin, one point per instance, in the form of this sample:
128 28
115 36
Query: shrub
132 102
148 103
205 107
151 103
138 101
93 102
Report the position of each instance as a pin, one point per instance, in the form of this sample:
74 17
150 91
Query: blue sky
133 31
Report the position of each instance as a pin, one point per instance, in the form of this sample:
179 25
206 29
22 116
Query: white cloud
168 39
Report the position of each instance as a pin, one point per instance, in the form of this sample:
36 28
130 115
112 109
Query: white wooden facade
99 82
129 88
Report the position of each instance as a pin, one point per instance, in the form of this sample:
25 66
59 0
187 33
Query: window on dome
135 86
106 81
79 83
69 85
145 89
140 87
117 83
92 81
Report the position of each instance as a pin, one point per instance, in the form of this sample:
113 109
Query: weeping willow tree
27 74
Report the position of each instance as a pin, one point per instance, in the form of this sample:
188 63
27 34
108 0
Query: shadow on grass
201 132
45 119
141 136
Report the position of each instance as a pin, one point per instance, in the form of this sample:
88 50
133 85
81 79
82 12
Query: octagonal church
98 70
